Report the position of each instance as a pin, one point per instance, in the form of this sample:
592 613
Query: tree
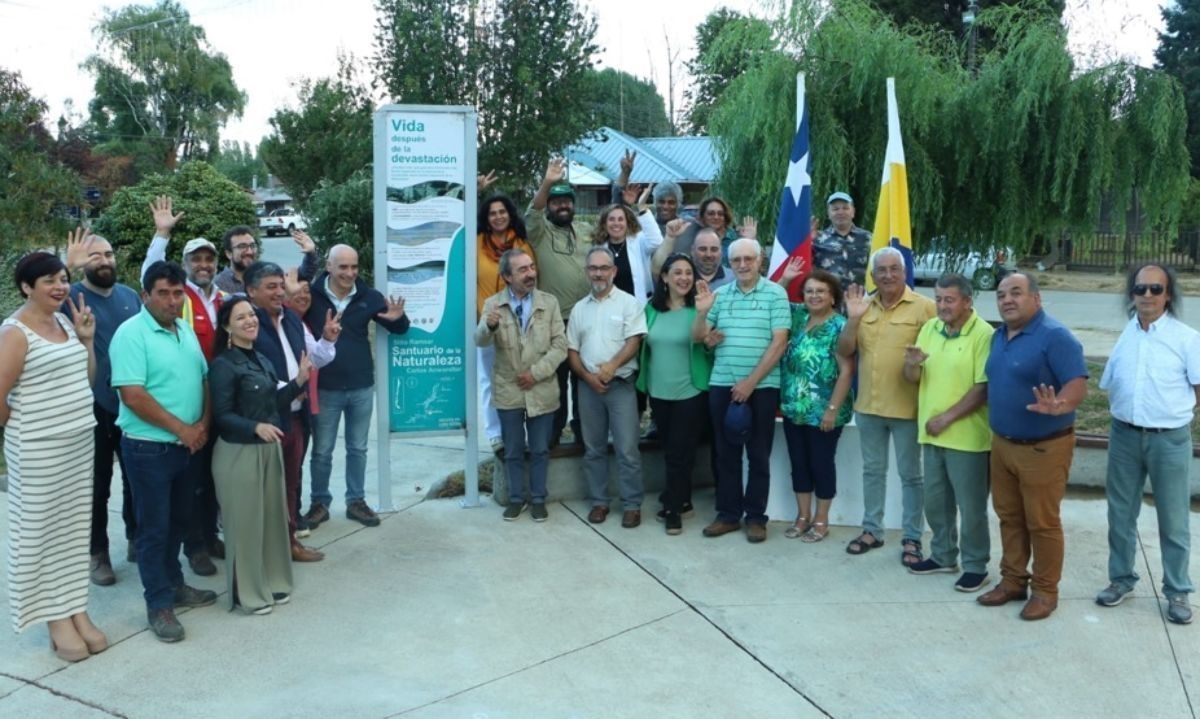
211 204
727 45
38 191
327 136
1024 147
343 213
523 66
238 162
1177 56
626 103
160 89
947 14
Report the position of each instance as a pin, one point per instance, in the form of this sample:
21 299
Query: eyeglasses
245 246
599 268
1155 289
740 260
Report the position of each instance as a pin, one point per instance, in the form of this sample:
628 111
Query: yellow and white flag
892 224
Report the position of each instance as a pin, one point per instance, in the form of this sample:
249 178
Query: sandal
858 546
816 532
801 527
911 552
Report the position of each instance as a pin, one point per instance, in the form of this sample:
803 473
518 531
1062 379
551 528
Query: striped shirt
748 321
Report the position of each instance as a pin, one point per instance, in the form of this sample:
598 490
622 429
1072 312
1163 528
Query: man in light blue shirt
1153 384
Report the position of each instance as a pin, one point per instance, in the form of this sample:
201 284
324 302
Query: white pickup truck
281 221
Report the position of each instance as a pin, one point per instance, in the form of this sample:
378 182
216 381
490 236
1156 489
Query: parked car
984 269
281 221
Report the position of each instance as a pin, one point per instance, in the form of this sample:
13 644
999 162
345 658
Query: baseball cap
562 189
198 244
738 422
843 196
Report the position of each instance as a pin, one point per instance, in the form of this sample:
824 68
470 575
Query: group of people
205 388
644 307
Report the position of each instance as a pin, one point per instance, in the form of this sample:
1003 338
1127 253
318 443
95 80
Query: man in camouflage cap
842 249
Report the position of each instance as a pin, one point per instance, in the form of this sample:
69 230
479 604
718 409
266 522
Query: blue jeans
873 432
513 427
614 411
1166 457
160 476
357 404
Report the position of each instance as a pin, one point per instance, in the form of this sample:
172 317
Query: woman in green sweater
674 373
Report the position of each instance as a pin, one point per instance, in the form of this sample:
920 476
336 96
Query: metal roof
681 159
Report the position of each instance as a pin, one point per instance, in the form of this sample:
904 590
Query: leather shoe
301 553
216 549
1038 608
102 571
598 514
631 518
717 528
756 533
201 563
1001 595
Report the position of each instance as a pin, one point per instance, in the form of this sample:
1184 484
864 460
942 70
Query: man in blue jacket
347 383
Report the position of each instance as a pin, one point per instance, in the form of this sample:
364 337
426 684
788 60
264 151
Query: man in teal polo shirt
949 363
159 372
754 316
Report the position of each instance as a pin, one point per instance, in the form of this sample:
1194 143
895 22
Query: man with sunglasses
1153 383
1032 443
560 245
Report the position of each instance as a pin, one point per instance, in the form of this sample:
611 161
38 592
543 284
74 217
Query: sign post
424 202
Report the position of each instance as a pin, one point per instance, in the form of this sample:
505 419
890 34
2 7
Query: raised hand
85 321
77 254
793 269
556 170
482 182
1048 401
857 302
713 338
291 281
914 356
704 296
395 309
303 241
268 432
333 326
676 227
748 228
631 193
626 163
644 198
164 218
304 369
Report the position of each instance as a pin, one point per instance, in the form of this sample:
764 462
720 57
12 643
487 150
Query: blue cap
738 422
843 196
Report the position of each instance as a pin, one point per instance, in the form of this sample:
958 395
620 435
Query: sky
271 44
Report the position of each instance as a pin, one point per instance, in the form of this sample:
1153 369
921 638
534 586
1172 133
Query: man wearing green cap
560 245
842 249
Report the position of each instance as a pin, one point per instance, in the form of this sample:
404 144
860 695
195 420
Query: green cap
562 189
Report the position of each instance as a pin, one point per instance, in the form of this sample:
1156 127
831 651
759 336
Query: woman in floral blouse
815 399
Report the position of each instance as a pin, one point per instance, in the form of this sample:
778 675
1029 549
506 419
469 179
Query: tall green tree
161 91
1024 147
626 103
948 14
728 43
523 65
37 191
326 136
239 162
1178 54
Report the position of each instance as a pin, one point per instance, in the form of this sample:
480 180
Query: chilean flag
793 232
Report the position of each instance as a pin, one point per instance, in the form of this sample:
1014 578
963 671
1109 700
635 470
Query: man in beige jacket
526 327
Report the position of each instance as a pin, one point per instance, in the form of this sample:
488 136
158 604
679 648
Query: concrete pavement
450 612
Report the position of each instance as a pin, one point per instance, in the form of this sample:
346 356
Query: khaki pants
1028 484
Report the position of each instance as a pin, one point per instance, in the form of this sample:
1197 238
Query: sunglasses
1156 290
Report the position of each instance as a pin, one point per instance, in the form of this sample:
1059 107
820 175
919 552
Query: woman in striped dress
46 362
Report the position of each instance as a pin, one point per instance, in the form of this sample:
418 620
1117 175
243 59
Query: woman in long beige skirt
247 461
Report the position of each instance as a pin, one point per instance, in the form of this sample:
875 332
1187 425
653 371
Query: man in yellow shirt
949 363
879 327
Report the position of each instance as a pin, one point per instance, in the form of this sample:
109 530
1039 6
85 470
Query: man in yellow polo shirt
948 362
879 327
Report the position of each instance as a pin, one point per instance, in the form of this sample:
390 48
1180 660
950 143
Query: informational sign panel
428 163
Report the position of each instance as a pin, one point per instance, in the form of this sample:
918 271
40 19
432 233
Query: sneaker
1179 611
164 625
102 571
302 528
497 446
928 566
186 596
361 513
1112 595
281 598
265 609
513 510
674 524
686 511
538 512
971 582
316 515
201 563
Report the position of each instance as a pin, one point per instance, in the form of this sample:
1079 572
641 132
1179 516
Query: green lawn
1092 417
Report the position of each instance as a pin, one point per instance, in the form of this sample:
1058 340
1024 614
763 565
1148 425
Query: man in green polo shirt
160 375
948 363
560 246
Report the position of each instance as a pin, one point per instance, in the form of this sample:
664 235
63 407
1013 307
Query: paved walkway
450 612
